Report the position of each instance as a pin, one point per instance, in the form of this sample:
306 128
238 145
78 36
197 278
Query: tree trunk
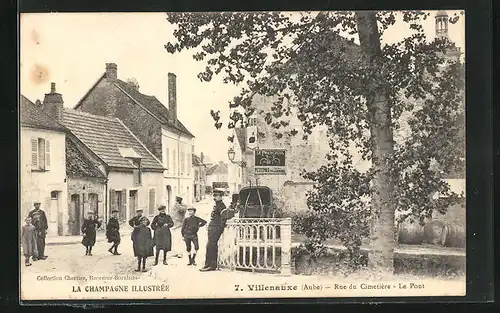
383 208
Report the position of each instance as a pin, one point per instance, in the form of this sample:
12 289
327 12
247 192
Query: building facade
43 166
152 123
199 177
217 176
132 176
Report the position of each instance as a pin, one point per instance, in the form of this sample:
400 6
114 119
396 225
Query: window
167 159
40 154
137 172
182 167
174 158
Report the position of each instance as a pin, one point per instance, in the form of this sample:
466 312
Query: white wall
177 148
124 180
37 185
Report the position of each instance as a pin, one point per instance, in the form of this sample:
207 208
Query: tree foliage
363 93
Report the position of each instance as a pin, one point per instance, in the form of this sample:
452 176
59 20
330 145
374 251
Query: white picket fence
256 244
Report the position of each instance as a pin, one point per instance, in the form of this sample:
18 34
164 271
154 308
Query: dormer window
134 158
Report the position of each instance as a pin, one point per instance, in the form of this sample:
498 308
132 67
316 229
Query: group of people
161 241
33 235
144 243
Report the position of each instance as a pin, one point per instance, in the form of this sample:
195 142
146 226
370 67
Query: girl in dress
28 240
142 243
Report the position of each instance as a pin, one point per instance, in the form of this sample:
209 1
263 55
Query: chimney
111 71
53 103
172 97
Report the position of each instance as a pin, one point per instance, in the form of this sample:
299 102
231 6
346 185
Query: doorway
133 200
75 215
94 203
55 216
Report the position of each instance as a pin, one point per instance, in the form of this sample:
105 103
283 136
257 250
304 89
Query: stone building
133 176
152 123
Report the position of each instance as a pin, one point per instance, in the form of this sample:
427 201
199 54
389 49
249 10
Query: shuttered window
167 158
40 154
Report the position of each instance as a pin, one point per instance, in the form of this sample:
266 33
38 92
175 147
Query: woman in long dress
162 237
89 230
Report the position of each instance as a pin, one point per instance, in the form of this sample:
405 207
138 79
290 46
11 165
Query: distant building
156 126
200 177
217 176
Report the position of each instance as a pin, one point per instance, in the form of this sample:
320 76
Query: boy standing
113 232
89 230
189 233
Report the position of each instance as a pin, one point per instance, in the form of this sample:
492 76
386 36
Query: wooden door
74 215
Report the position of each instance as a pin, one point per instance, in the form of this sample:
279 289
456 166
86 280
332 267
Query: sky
71 49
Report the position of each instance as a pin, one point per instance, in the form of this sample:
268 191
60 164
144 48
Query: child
189 233
113 232
142 243
89 227
28 240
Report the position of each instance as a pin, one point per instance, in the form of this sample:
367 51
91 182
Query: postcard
242 155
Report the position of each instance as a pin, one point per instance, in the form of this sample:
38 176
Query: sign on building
270 162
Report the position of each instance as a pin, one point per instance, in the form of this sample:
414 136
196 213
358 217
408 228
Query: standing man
215 229
179 212
39 220
136 220
162 236
113 232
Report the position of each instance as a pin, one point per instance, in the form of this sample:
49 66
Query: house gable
82 162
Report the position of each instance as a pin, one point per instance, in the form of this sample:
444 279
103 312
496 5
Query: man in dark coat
39 220
189 232
215 229
136 220
162 237
113 232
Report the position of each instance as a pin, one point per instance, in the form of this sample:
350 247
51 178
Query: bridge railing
256 244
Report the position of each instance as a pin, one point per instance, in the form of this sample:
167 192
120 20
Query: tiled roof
105 136
219 168
77 165
240 135
153 105
32 116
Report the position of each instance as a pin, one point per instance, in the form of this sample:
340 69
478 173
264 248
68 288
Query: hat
36 202
178 198
139 210
161 207
192 209
115 210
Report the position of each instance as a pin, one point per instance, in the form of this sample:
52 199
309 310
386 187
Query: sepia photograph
223 155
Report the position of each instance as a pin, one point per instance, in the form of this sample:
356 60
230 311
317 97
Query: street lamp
231 154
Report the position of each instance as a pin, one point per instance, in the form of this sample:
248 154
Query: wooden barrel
433 232
453 236
411 233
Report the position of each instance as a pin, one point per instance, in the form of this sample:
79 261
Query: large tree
365 93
